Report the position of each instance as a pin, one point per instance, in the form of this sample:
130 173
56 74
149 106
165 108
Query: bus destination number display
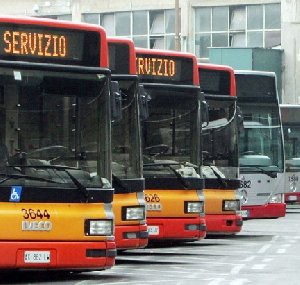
157 67
164 69
56 45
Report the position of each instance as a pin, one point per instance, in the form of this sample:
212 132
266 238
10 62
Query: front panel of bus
170 136
290 115
261 147
56 194
220 153
129 201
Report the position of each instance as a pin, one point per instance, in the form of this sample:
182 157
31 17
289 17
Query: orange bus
171 145
220 150
56 196
128 182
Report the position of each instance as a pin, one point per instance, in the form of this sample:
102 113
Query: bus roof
290 113
217 84
255 72
214 66
126 56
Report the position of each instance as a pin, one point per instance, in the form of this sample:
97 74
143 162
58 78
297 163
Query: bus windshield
261 140
50 127
292 146
219 137
170 132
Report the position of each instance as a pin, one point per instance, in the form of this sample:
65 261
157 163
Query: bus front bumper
270 210
62 255
189 229
223 223
131 237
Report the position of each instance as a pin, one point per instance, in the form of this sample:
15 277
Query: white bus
261 155
290 115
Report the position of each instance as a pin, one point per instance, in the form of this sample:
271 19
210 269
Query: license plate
153 230
37 256
292 198
243 213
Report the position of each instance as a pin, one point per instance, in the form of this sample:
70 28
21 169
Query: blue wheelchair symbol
15 194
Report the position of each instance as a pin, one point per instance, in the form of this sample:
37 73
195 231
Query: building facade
203 24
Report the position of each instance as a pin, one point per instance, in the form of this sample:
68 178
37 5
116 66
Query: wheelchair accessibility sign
15 194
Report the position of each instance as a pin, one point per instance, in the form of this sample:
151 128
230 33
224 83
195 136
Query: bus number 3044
34 214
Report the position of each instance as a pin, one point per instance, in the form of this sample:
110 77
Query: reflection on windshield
261 140
47 119
170 132
126 136
219 147
292 146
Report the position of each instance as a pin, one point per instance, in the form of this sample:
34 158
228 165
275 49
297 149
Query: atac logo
246 184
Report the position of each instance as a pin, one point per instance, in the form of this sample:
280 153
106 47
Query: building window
107 21
272 16
237 26
255 17
220 18
148 29
140 23
123 23
91 18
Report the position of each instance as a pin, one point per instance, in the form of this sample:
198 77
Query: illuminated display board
51 45
164 69
118 58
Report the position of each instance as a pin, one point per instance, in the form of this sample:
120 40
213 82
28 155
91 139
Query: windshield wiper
270 173
19 176
184 183
119 183
79 185
219 177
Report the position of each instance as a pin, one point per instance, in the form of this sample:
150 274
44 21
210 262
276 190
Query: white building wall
290 38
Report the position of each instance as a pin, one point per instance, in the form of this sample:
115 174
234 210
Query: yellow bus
56 196
220 150
128 182
171 145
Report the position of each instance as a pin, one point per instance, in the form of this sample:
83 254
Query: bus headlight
276 198
293 186
133 213
98 227
194 207
231 205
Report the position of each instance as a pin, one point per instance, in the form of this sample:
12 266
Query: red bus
128 182
220 150
171 145
56 196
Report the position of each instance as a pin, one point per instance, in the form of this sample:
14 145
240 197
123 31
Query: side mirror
115 101
143 103
204 113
